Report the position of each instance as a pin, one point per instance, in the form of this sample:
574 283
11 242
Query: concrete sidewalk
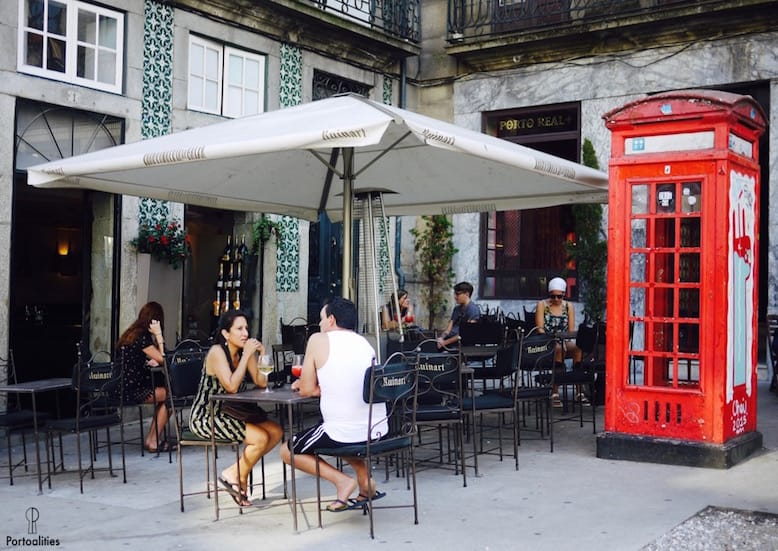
557 501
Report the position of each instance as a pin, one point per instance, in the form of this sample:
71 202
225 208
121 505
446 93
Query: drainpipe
398 223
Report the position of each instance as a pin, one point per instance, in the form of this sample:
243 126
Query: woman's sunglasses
556 297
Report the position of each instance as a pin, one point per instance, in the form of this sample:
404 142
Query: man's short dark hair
464 287
344 312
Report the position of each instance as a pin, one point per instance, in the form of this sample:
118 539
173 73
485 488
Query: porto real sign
538 122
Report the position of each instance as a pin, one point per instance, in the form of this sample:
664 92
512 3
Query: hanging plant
166 241
264 229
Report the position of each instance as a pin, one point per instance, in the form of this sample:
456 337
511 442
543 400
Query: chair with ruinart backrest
99 386
391 391
192 354
440 407
83 353
535 380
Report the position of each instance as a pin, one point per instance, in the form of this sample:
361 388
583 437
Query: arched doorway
61 242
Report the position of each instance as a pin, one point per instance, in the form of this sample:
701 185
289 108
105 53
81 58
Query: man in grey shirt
466 311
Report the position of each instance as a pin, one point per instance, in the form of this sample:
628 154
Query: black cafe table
277 397
33 388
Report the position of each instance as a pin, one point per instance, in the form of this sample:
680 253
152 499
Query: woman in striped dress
226 365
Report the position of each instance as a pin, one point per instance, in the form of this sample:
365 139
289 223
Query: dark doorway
52 255
47 281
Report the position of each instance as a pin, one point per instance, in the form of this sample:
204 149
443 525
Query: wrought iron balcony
397 18
480 19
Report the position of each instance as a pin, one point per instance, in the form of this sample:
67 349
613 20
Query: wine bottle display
227 254
243 250
230 277
238 276
220 280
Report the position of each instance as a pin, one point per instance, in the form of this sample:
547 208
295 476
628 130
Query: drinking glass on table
265 365
297 364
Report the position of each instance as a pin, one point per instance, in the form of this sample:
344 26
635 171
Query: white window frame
199 103
72 44
223 106
241 110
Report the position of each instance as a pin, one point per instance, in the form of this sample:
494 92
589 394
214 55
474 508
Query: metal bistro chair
535 380
99 387
440 405
582 375
501 401
393 385
183 381
479 344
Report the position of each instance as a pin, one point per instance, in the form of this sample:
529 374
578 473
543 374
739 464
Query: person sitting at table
232 356
556 315
465 311
334 369
145 348
389 317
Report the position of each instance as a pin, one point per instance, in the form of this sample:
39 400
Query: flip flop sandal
338 506
240 499
362 500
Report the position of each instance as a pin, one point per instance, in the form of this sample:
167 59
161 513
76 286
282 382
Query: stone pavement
557 501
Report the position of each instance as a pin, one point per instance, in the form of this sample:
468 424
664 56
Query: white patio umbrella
284 162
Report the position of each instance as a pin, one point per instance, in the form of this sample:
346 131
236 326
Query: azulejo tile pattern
388 89
384 266
288 249
156 105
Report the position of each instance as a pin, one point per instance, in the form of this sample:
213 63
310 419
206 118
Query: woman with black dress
145 348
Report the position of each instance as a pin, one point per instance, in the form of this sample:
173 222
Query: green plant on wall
590 249
263 230
435 248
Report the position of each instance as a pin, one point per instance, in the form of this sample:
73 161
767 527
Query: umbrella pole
348 184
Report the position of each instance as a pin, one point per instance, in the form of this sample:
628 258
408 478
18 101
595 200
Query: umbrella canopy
311 158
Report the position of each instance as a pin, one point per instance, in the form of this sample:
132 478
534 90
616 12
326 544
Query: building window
522 250
73 42
224 80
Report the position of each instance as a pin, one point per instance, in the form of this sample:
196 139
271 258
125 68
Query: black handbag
248 413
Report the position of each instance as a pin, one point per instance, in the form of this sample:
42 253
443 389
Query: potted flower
165 241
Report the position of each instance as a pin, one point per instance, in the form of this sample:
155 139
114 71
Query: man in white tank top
334 369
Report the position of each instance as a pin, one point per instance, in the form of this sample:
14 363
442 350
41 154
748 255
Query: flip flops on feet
362 500
233 488
338 506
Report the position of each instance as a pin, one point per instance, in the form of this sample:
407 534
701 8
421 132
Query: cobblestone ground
721 529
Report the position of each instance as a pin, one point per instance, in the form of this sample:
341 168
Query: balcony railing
398 18
476 19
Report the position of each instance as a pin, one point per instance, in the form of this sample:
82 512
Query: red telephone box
682 279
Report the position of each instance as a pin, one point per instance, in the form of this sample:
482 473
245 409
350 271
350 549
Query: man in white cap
556 315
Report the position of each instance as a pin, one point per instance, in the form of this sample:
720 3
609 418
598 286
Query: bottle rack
232 291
